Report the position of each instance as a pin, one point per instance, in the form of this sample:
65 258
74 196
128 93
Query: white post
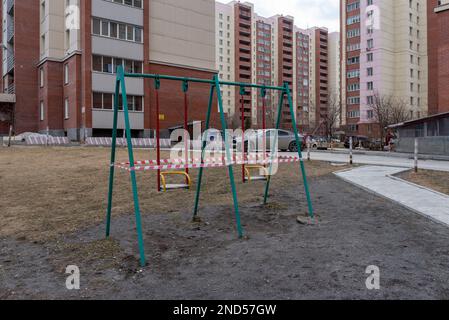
124 138
416 154
350 151
10 136
308 148
48 135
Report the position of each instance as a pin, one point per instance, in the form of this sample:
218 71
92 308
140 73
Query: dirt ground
436 180
52 209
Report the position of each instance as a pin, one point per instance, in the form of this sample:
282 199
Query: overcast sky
307 13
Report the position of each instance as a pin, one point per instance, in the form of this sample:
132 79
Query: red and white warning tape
168 164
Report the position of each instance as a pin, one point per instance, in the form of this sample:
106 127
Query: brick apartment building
438 39
271 51
384 53
60 57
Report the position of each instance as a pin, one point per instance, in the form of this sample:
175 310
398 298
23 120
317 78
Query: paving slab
380 180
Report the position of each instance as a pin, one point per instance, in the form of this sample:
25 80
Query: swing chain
185 86
263 92
242 90
157 83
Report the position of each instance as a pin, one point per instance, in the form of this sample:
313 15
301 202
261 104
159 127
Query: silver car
286 140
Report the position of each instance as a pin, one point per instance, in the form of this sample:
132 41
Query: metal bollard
48 137
308 149
351 151
416 154
10 136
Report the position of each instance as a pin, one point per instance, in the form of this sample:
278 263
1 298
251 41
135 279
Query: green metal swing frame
215 83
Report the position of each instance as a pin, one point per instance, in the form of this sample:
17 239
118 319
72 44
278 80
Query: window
41 111
105 101
66 73
96 26
105 28
97 64
41 77
107 64
66 108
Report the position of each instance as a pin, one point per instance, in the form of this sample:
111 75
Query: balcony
244 72
10 33
10 7
10 62
11 89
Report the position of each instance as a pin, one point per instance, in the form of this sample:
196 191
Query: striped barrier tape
194 160
137 142
149 164
43 140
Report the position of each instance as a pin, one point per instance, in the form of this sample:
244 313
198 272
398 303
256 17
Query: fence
44 140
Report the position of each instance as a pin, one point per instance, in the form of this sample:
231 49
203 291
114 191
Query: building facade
438 41
334 87
69 52
383 53
319 79
271 51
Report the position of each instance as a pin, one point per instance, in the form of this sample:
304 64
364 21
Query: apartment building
319 78
303 61
70 50
19 55
438 42
383 53
334 88
271 51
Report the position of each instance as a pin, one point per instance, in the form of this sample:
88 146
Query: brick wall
26 42
51 96
433 40
443 62
72 91
171 98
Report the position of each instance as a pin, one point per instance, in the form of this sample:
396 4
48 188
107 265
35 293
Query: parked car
358 141
286 140
322 143
376 145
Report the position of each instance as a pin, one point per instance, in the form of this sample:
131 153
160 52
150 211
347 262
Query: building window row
105 101
354 114
131 3
353 6
110 64
116 30
353 100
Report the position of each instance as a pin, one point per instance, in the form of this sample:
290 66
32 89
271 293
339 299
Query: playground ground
52 208
435 180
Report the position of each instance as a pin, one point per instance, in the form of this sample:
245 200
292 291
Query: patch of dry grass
47 192
435 180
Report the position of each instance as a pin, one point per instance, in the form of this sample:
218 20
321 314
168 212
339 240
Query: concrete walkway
379 160
378 179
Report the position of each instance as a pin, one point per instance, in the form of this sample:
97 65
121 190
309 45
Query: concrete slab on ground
378 179
378 160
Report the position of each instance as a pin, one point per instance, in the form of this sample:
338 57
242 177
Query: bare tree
234 121
331 118
388 110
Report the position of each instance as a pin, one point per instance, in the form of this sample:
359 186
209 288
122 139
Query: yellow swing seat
165 187
262 169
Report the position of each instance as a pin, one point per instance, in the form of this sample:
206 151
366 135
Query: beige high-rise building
384 53
335 73
271 51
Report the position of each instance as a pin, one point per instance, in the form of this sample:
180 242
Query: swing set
162 165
